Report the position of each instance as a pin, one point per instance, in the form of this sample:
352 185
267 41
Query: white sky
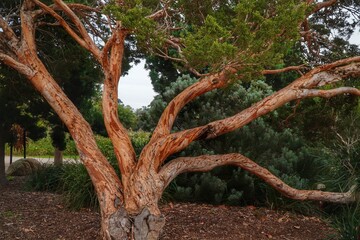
136 90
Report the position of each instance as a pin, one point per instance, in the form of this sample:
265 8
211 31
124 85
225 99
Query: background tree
18 106
220 43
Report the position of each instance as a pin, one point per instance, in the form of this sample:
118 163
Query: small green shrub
210 189
78 188
70 179
48 178
235 197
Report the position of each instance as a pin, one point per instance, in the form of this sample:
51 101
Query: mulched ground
38 215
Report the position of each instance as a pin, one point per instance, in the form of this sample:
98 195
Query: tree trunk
58 157
139 218
3 180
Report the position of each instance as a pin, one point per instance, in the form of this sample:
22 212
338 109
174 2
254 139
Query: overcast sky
135 89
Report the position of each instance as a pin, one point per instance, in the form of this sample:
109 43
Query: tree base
144 226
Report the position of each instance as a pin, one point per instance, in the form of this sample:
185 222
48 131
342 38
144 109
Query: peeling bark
129 208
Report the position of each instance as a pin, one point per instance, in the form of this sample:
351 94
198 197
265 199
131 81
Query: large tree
218 41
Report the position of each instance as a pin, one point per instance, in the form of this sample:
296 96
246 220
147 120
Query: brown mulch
39 215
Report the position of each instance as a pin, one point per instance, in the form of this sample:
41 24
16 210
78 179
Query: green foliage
139 139
209 188
133 17
257 33
209 46
44 148
127 116
95 117
48 178
79 191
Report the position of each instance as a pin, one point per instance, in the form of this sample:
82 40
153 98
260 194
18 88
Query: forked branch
303 87
110 59
206 84
81 36
208 162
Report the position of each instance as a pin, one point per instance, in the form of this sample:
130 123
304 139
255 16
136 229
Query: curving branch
118 134
201 87
301 88
282 70
208 162
21 68
158 14
317 77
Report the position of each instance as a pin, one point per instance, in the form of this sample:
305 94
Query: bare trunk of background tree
3 180
58 157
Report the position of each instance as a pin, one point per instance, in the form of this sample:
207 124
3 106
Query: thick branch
320 76
110 59
208 162
307 93
124 150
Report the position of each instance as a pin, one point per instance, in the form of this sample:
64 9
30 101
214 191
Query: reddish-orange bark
129 206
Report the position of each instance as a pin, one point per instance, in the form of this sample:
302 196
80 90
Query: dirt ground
38 215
